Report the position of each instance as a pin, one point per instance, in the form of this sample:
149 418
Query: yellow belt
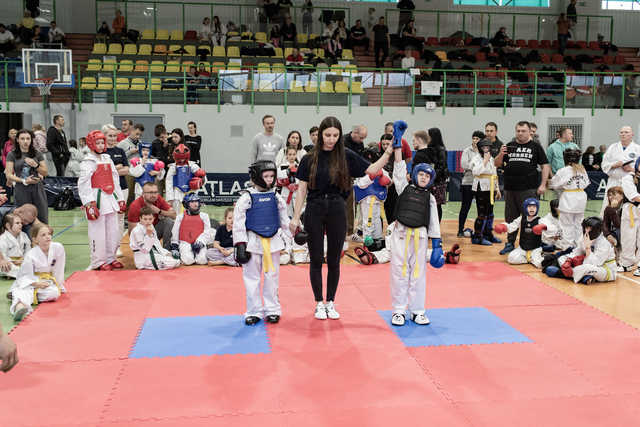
372 201
45 276
631 221
416 242
573 190
528 255
266 254
609 274
492 184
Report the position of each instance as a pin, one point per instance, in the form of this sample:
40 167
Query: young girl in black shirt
324 181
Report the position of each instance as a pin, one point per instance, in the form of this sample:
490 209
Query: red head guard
93 137
181 154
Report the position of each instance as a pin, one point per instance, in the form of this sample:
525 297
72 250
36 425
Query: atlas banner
223 188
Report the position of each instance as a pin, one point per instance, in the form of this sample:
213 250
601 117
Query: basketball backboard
47 63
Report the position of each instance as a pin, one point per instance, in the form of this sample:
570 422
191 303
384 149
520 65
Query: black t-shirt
436 157
358 32
119 157
357 147
224 237
356 164
159 151
380 33
194 143
521 165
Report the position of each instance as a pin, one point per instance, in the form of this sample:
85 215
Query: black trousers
513 201
325 215
384 47
485 212
61 165
467 199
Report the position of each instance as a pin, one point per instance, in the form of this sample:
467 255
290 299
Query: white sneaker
620 269
637 272
397 319
321 311
356 238
331 311
420 319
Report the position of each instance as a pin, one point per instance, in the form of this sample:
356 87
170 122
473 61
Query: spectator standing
294 140
563 33
307 17
126 127
284 9
130 143
588 159
407 154
163 214
56 35
534 132
572 13
313 137
555 151
597 161
520 159
491 133
354 141
436 155
406 14
265 145
381 42
25 31
8 145
7 41
26 169
358 36
466 187
118 24
289 31
615 156
57 144
194 142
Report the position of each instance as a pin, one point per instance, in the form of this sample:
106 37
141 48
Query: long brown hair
338 169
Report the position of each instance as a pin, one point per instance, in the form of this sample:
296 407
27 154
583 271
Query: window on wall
504 3
621 5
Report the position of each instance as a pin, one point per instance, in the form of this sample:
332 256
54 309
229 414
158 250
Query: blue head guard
528 202
188 198
423 167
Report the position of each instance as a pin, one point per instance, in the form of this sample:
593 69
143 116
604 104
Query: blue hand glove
196 247
399 126
175 250
437 256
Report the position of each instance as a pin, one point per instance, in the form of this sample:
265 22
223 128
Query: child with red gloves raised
145 168
101 196
183 176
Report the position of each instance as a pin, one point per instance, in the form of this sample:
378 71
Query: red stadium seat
444 41
432 41
545 44
557 58
608 59
533 44
581 44
191 35
521 43
555 44
594 45
545 58
570 44
480 56
619 60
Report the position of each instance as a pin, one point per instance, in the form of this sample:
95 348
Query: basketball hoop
44 85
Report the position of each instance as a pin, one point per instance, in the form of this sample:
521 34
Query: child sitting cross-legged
148 253
221 250
14 244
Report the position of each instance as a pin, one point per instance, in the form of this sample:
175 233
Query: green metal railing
462 20
460 88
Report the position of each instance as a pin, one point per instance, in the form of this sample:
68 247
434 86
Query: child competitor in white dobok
101 196
259 221
630 220
41 275
148 253
529 249
190 233
416 222
14 244
183 176
145 168
599 263
572 180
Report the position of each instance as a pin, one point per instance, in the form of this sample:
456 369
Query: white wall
223 153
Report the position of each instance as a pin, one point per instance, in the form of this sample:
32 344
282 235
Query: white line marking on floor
629 279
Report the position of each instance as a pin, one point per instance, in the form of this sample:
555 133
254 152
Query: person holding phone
26 169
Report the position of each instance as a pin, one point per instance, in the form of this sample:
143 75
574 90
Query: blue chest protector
375 189
182 177
145 177
263 217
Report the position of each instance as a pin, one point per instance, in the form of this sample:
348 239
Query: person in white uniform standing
102 198
41 275
572 180
615 155
630 220
259 221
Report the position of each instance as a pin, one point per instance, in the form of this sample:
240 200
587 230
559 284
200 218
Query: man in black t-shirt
358 36
381 42
354 140
520 159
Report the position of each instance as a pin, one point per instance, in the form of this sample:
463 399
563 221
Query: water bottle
26 171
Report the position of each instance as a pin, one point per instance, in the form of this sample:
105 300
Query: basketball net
44 86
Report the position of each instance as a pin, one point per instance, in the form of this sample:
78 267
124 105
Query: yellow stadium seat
176 35
156 84
126 65
265 86
218 52
99 49
261 37
190 49
264 67
233 52
208 49
130 49
319 53
142 65
326 87
246 35
302 38
157 66
312 36
356 87
278 67
342 87
312 86
233 34
160 49
138 83
288 51
335 68
147 35
186 65
162 35
233 66
109 64
88 83
174 48
347 54
144 49
351 68
94 65
296 86
104 83
217 66
115 49
172 67
122 83
278 51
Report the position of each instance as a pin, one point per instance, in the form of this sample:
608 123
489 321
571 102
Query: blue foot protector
199 336
456 326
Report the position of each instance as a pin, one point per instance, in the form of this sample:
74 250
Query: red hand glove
200 173
92 211
384 180
195 183
500 228
374 176
283 182
159 165
135 161
577 260
293 187
538 229
123 206
567 268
